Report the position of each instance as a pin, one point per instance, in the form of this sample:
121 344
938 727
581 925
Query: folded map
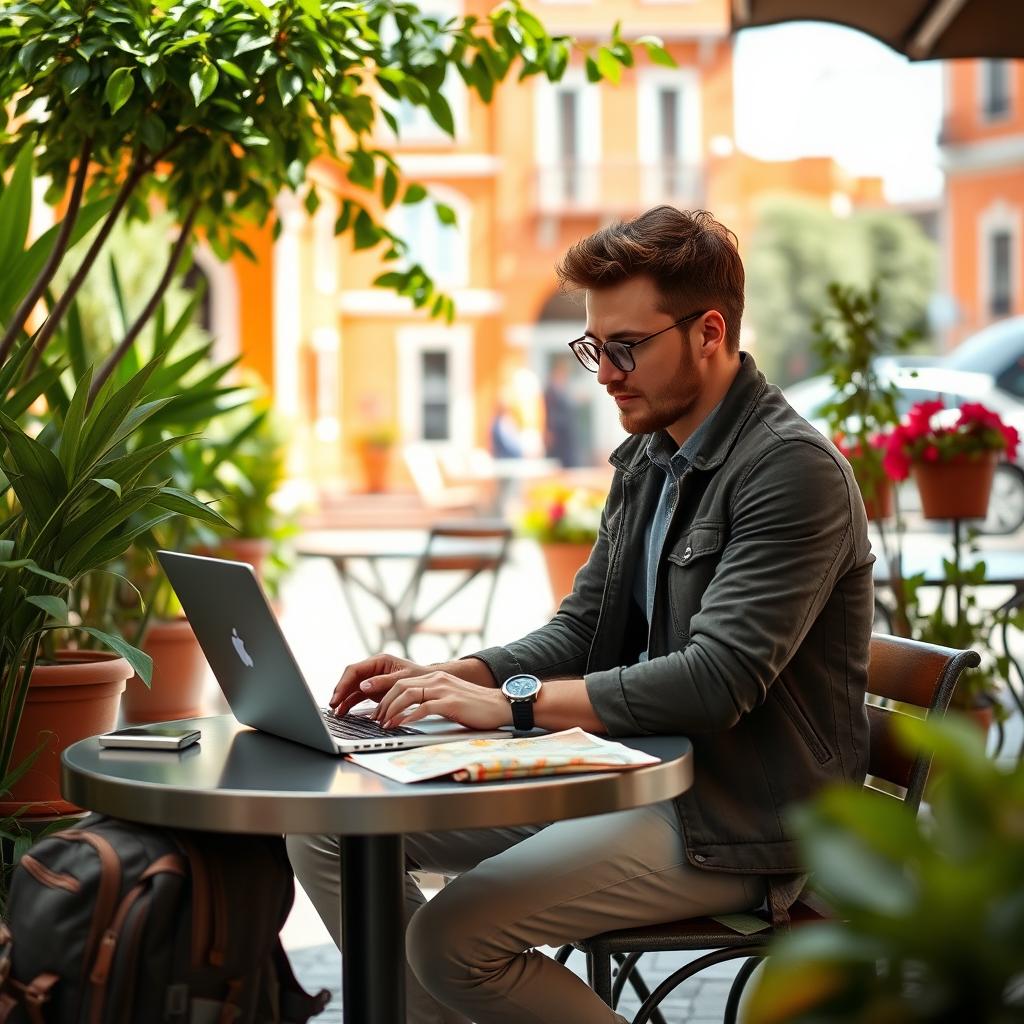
482 760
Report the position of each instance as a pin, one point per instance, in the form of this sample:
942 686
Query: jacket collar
631 456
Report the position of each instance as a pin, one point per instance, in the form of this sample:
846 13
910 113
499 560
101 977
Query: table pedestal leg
373 929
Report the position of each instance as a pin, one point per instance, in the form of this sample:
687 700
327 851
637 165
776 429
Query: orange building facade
983 153
541 166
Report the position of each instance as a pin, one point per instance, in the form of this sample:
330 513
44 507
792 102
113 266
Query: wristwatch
521 692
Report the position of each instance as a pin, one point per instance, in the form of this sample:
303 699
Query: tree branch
46 332
53 260
151 305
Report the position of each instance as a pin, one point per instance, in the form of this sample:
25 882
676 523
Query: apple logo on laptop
239 645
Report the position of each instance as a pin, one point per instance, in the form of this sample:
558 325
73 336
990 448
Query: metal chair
462 551
903 671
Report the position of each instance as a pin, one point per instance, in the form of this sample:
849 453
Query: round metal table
241 781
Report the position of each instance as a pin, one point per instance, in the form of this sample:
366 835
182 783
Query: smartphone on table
165 736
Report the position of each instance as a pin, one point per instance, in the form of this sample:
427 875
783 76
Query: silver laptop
257 671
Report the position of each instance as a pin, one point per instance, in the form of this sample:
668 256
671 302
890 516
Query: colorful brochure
483 760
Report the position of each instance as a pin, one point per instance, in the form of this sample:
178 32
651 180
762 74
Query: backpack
117 923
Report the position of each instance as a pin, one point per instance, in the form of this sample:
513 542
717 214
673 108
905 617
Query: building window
435 383
435 388
995 89
669 135
1000 275
441 249
568 140
670 143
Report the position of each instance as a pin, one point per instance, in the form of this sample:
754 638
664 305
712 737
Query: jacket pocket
804 725
692 559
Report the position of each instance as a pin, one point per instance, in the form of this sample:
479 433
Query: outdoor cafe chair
907 672
460 565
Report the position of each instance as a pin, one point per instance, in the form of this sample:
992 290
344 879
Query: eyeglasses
619 353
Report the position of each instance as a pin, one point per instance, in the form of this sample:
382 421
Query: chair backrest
471 548
908 672
424 466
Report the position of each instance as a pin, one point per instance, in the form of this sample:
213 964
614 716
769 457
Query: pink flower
1012 439
931 453
895 462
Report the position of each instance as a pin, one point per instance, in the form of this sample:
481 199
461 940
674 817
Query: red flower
976 431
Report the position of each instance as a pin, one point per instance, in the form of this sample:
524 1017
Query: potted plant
74 497
250 480
866 456
373 447
952 455
564 519
928 922
851 337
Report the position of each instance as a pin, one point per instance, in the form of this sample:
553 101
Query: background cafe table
241 781
348 550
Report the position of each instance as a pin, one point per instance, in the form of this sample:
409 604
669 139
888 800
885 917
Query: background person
728 598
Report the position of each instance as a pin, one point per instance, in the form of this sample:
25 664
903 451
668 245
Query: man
728 598
561 426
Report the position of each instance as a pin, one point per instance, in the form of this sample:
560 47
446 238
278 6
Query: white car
954 387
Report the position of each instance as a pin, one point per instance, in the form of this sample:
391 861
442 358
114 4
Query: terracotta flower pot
179 673
879 504
67 702
251 550
376 463
958 489
563 561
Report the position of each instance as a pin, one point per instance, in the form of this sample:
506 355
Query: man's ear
712 332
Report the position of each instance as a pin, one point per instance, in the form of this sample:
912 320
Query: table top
239 780
342 544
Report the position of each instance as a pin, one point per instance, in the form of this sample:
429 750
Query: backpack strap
31 996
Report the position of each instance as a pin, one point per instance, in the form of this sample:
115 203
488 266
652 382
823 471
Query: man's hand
372 678
438 693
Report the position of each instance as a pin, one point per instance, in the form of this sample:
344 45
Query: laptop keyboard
358 727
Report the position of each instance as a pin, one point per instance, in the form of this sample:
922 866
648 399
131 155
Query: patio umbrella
922 29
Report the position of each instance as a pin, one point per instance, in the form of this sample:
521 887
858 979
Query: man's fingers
430 707
401 695
379 666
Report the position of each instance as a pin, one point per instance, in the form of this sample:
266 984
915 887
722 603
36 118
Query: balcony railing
616 187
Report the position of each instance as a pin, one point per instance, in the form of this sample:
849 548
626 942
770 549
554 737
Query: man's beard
656 417
665 409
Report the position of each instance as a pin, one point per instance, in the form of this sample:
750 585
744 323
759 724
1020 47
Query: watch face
519 687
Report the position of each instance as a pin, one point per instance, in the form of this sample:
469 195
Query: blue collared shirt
673 462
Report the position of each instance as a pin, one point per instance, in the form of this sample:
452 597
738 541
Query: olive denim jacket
760 632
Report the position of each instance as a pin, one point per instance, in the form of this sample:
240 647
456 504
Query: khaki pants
470 950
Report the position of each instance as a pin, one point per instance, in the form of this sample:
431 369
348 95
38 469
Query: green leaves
289 84
55 607
656 51
120 86
202 82
15 211
441 112
928 913
141 662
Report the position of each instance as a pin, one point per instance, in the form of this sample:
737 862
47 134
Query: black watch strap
522 715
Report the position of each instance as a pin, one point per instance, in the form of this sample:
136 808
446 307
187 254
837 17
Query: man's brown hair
693 260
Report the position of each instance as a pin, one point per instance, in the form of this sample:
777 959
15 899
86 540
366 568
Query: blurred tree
799 247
